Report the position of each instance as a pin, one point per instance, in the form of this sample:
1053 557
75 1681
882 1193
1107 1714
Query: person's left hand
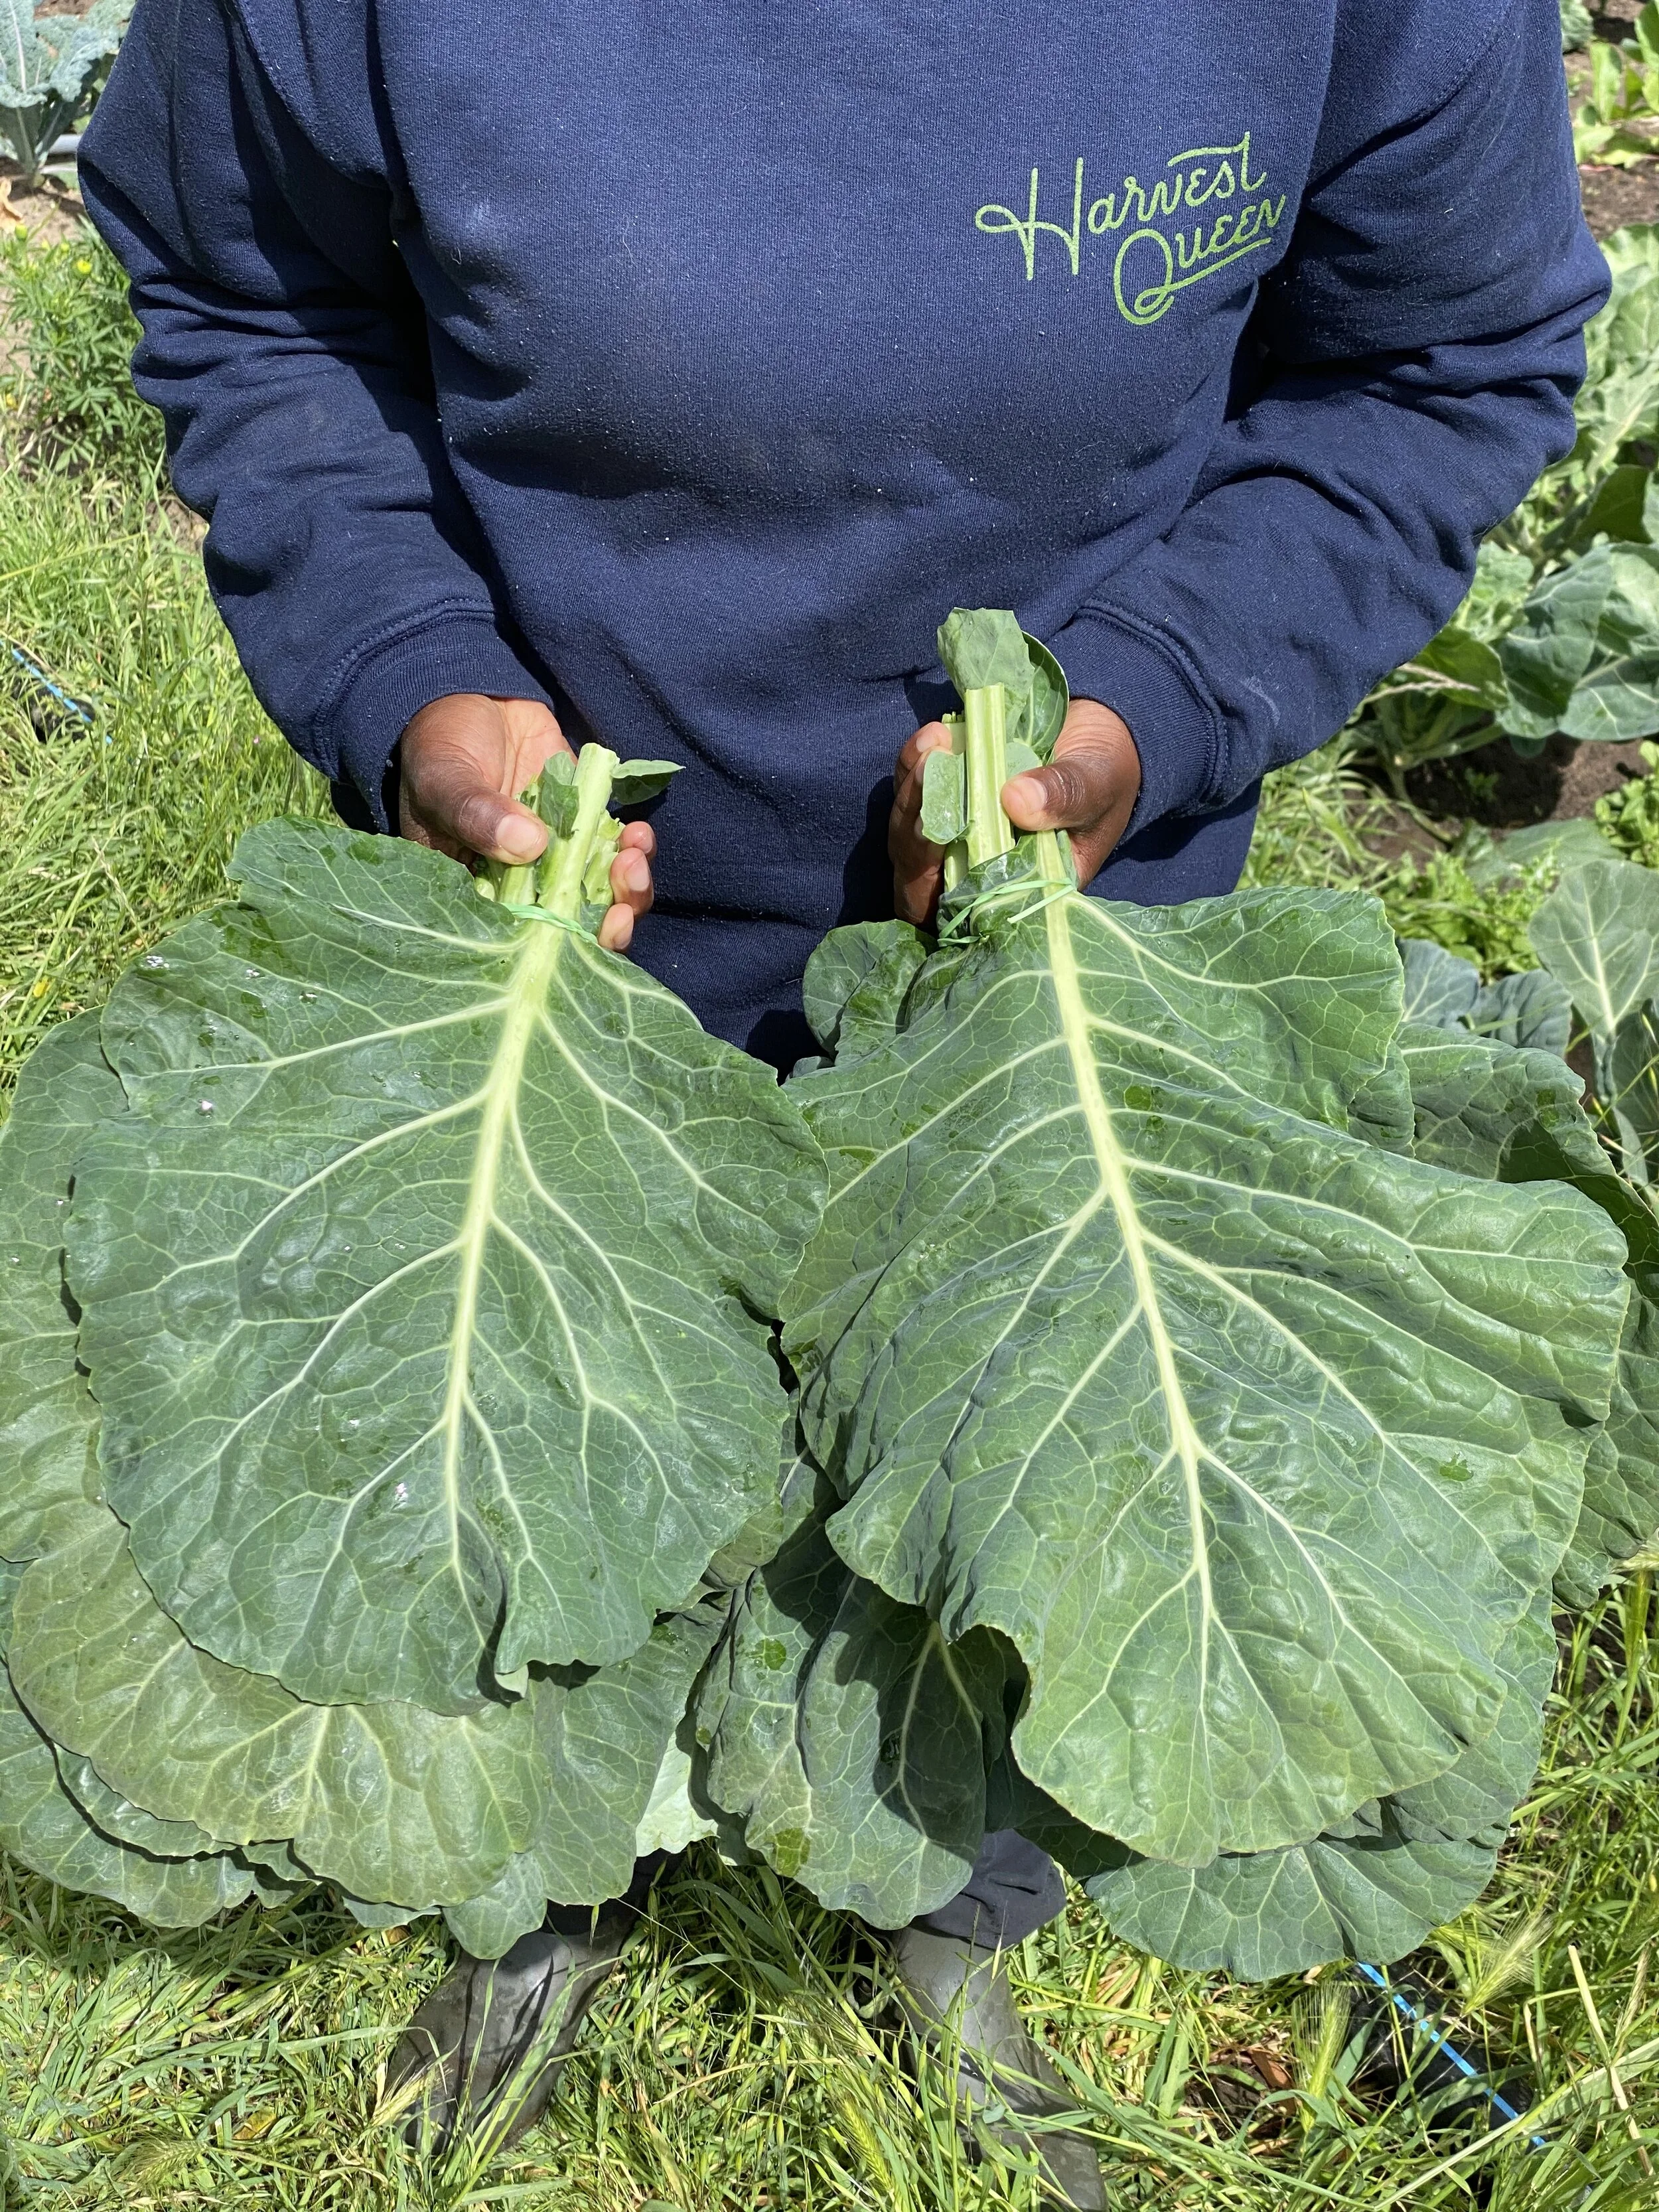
1090 788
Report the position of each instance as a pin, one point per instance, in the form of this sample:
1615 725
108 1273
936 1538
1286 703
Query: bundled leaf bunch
1194 1374
1206 1371
373 1418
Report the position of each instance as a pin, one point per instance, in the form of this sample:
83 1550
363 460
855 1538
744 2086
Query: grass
1321 822
109 834
746 2059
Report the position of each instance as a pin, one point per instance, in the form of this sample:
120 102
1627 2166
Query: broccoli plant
51 67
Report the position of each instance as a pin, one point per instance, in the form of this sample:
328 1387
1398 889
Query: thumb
1071 792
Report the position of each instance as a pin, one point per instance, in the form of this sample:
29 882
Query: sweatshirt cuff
1143 675
454 652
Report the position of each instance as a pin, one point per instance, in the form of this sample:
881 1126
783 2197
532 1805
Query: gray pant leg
1013 1890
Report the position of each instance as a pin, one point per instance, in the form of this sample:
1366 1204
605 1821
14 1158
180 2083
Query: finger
913 753
452 802
916 896
418 834
630 881
640 837
1071 793
483 821
616 930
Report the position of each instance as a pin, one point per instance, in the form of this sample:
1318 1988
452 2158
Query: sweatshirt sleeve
286 349
1411 369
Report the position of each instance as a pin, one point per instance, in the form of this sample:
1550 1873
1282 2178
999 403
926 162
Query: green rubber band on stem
542 913
956 930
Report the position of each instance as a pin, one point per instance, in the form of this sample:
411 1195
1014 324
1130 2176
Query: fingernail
520 840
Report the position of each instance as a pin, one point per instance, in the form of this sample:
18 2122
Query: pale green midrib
1075 1027
525 1001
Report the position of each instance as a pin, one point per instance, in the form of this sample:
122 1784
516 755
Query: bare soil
52 210
1614 197
1494 786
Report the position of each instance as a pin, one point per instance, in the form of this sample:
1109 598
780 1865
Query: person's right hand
463 758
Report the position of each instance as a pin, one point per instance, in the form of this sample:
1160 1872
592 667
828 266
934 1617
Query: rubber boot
469 2041
946 1982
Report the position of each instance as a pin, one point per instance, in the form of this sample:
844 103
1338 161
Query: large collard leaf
390 1801
44 1826
604 1736
1253 1438
50 1830
845 1733
419 1287
1374 1891
1620 403
1394 1871
47 1443
118 1816
1556 845
856 981
175 1874
1584 656
1597 933
1267 1913
1530 1011
50 59
1478 1792
1485 1110
1440 989
1445 993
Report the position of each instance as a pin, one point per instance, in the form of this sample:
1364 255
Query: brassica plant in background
1623 91
1561 628
51 67
1576 28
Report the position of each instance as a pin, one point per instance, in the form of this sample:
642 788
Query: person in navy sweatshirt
664 376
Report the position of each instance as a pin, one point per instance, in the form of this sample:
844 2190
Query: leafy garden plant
51 67
461 1426
1623 92
1560 631
364 1490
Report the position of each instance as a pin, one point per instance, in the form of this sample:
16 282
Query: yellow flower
84 268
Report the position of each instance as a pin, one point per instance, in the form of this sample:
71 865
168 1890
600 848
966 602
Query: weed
1629 817
70 393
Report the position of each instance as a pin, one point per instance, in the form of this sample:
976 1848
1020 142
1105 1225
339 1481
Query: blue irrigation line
1408 2011
33 668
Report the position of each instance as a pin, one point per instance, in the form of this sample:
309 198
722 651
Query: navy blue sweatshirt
684 366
